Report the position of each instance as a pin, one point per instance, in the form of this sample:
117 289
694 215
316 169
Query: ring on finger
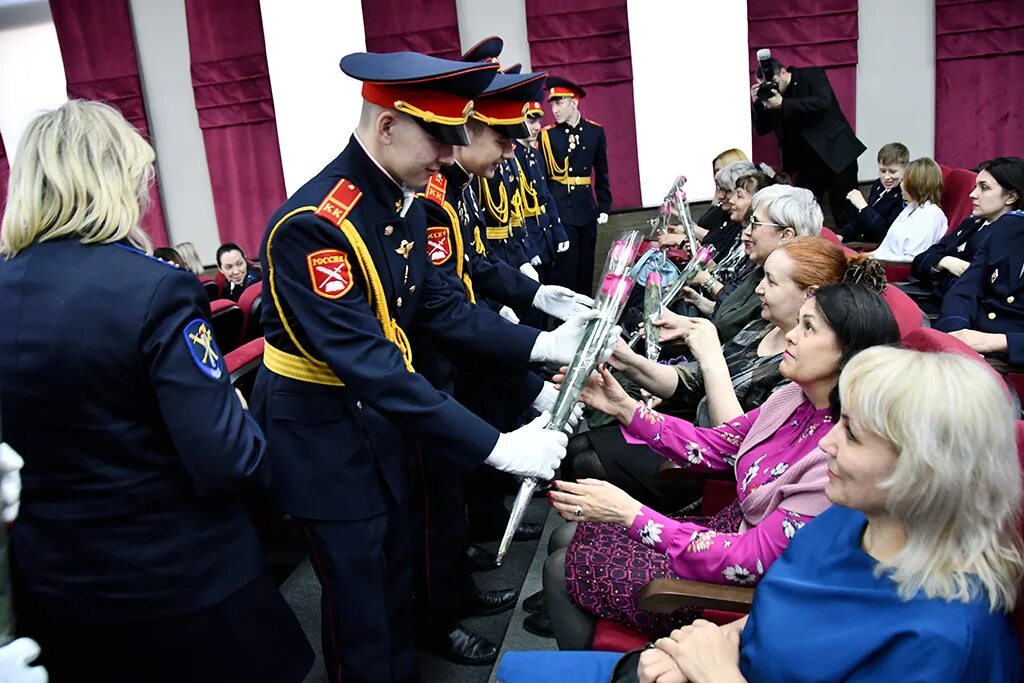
578 511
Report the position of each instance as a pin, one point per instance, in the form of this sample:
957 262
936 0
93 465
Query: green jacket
739 308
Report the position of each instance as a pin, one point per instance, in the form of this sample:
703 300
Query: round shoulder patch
203 348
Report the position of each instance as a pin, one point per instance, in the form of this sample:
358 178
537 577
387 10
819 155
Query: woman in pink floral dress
621 545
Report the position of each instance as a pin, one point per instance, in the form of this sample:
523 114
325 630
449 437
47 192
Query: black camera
768 72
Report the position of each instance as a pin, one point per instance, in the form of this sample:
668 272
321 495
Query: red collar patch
439 245
436 188
330 272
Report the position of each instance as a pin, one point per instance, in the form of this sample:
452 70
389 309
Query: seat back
831 236
909 316
249 302
228 321
243 363
957 186
211 287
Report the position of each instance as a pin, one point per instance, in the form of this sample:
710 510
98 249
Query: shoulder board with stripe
1016 212
336 206
593 122
549 126
437 187
139 252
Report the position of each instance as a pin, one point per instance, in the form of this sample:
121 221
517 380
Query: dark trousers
575 268
250 636
822 181
366 600
437 510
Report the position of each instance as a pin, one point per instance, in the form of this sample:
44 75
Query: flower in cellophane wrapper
609 303
703 256
652 310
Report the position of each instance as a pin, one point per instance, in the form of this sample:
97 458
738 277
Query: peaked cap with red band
487 50
534 108
437 93
516 68
560 87
505 103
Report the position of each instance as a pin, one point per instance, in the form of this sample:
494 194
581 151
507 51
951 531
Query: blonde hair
728 157
923 181
82 171
190 255
956 485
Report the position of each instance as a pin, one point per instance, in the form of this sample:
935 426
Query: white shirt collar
408 194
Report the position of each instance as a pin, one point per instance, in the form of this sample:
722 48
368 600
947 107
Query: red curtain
806 33
587 42
430 27
97 43
231 85
979 65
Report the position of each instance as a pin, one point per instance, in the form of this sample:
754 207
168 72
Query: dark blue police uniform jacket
336 450
539 220
873 221
989 296
497 199
134 442
963 243
572 155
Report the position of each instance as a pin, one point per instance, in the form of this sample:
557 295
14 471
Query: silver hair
790 207
726 178
956 484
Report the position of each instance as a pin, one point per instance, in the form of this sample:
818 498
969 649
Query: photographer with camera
818 145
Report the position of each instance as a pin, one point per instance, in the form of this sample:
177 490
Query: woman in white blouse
921 223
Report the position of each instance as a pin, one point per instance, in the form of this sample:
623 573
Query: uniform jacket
135 445
989 296
545 230
809 124
498 200
338 452
962 243
579 151
234 292
873 221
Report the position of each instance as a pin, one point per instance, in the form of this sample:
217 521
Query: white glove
560 302
10 482
545 402
509 315
530 272
560 345
535 261
530 451
563 247
602 218
15 660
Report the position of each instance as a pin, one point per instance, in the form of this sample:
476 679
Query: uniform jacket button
388 231
359 405
399 302
992 315
1009 299
412 288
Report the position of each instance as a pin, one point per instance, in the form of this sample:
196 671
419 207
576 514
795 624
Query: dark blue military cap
561 87
503 105
513 69
487 50
437 93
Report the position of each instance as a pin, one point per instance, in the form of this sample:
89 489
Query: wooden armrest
862 246
671 473
668 595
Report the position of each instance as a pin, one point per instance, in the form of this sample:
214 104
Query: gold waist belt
573 180
531 214
502 233
298 367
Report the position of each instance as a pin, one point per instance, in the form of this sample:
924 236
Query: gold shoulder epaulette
337 205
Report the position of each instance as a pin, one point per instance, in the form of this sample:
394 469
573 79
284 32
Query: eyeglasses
753 224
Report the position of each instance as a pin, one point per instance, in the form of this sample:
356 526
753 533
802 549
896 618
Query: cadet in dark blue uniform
346 273
540 210
134 558
444 587
984 308
574 150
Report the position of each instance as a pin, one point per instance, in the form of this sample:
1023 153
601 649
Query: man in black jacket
818 145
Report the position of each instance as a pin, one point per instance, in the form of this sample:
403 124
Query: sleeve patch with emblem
330 272
203 348
439 245
437 186
339 203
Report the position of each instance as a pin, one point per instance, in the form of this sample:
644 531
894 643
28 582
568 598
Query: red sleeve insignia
339 203
436 188
439 245
330 272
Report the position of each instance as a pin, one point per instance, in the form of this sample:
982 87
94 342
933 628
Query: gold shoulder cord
528 194
558 173
460 250
501 211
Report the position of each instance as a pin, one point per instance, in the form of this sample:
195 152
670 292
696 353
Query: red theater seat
243 363
211 287
250 303
227 320
957 186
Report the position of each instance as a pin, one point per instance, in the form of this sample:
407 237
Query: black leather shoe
480 559
463 647
539 624
534 603
485 603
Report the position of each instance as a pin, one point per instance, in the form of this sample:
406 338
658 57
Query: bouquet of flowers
703 256
610 302
652 309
